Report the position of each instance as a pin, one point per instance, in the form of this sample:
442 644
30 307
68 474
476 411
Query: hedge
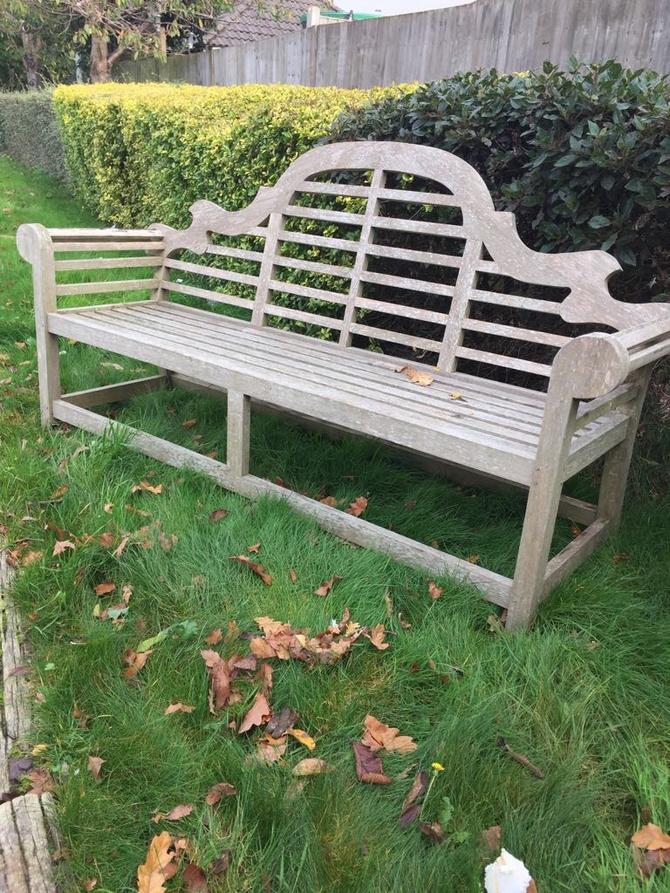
29 131
140 153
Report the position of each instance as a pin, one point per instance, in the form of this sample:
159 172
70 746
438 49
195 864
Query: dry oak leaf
145 485
219 791
357 507
327 585
416 377
434 590
376 637
42 782
312 766
369 768
95 765
256 568
657 845
378 735
176 813
61 546
258 715
104 588
214 637
152 874
178 708
650 837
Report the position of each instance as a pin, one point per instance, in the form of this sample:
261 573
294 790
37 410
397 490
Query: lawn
584 695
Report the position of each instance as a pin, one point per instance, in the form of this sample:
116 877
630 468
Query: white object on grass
506 875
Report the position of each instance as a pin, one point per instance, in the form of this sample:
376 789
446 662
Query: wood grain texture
450 268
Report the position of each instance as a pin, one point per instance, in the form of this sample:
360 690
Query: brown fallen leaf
254 548
305 739
194 879
62 546
152 873
357 507
651 849
376 637
177 812
434 590
328 500
258 715
411 808
268 750
189 423
312 766
379 736
60 491
107 507
435 832
214 637
220 679
256 568
30 558
217 514
369 767
416 377
651 837
95 765
145 485
219 791
90 884
178 708
42 782
134 662
167 542
104 588
222 864
292 574
281 722
327 585
118 552
106 540
490 839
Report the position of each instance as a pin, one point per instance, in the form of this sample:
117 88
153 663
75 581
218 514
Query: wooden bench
396 253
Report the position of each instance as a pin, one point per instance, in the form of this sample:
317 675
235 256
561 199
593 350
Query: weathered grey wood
106 263
485 430
112 393
94 288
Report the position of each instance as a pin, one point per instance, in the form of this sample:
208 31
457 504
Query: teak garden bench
396 253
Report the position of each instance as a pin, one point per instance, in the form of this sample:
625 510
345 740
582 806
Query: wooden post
35 246
237 443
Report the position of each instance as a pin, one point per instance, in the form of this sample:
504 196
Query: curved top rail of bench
585 273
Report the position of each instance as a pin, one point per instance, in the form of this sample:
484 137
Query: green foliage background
29 131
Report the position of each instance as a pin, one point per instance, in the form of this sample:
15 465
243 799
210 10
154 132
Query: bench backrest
396 247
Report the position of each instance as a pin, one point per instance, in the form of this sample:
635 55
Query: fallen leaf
134 662
357 507
178 708
651 837
622 556
61 546
292 574
455 395
220 679
59 491
127 593
416 377
378 735
190 423
313 766
326 586
42 782
473 559
434 590
219 791
31 558
305 739
258 715
376 637
256 568
328 500
152 873
369 767
106 540
145 485
214 637
222 864
95 765
108 506
194 879
122 545
268 750
435 832
90 884
176 813
281 722
167 542
254 548
104 588
410 807
490 838
117 366
217 514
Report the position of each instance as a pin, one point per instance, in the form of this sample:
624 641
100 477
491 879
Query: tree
38 33
141 27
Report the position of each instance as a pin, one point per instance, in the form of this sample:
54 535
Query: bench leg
48 365
239 424
617 462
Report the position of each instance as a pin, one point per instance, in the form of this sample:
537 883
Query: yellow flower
438 767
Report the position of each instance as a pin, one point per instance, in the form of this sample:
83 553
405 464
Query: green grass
584 694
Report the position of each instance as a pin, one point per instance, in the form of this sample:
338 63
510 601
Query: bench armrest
33 240
647 342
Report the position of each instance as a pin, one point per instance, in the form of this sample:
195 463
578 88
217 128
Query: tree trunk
32 50
99 60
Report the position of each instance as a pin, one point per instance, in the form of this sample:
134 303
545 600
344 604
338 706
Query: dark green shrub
30 133
582 158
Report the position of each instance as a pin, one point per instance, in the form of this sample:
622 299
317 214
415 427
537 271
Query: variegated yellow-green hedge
140 153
